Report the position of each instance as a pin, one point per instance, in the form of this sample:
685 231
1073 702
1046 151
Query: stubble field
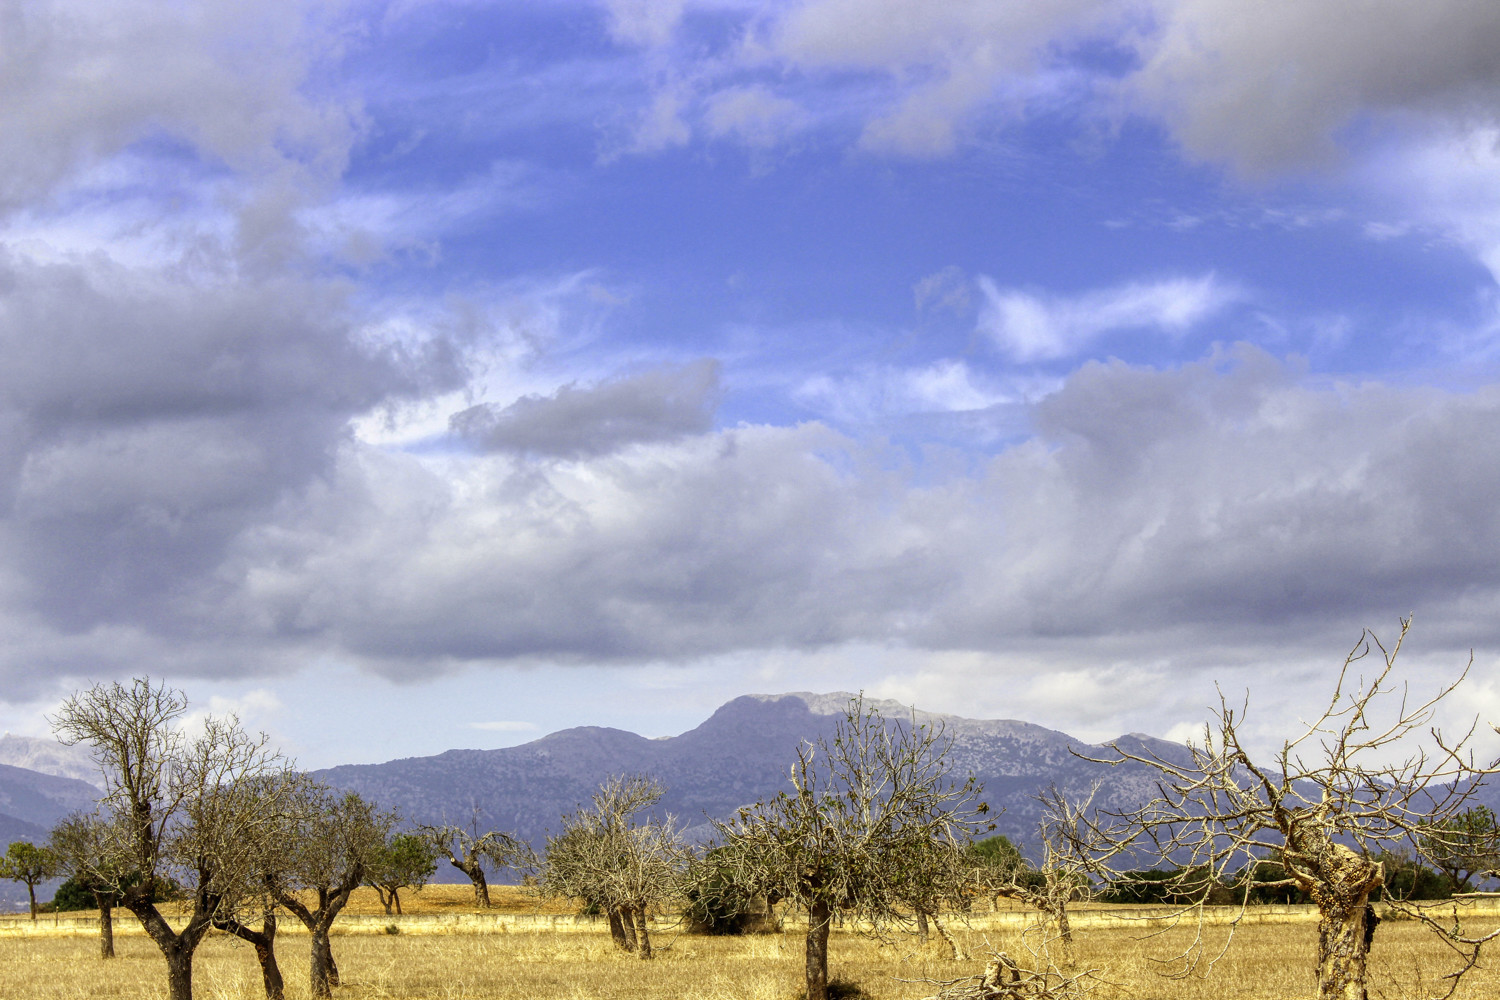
514 962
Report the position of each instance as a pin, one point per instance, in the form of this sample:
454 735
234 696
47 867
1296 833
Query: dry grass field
1270 961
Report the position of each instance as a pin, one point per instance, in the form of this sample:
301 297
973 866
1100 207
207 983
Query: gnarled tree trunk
818 921
1346 921
264 942
617 929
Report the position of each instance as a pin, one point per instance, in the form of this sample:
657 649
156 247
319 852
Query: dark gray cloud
1229 501
658 405
147 421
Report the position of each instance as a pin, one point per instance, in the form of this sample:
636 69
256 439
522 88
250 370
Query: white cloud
753 115
82 81
946 386
644 22
1031 327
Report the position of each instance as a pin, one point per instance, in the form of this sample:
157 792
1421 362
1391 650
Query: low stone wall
1142 918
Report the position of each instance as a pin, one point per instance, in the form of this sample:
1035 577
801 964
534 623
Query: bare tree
175 808
471 852
862 806
81 842
624 867
25 862
1329 804
331 838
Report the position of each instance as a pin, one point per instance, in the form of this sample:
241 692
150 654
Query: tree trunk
385 898
921 926
31 892
265 953
1346 921
642 935
264 942
958 953
481 887
817 951
1064 931
396 898
1343 948
325 974
106 925
179 974
617 929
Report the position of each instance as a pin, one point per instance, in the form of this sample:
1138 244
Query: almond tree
841 843
80 842
607 858
175 808
1357 782
329 841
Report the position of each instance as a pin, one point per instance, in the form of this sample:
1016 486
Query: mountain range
741 754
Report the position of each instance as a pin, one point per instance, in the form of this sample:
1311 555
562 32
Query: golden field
510 958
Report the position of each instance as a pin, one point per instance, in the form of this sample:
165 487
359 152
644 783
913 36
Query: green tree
24 861
1462 847
405 861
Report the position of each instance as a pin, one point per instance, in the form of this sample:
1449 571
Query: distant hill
739 755
31 803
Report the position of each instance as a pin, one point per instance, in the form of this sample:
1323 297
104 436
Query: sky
436 373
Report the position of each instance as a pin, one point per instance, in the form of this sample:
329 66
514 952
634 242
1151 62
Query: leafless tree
1360 779
329 840
175 808
607 858
863 805
471 852
81 842
1049 888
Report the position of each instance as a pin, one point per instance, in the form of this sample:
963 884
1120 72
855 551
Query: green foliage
407 860
1464 847
715 904
73 895
24 861
1175 886
1407 878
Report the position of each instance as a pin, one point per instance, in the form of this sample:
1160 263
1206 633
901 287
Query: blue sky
479 369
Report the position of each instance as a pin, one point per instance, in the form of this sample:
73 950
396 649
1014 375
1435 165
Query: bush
73 895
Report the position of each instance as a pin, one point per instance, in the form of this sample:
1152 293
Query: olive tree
1368 775
406 860
25 862
862 806
625 867
176 808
